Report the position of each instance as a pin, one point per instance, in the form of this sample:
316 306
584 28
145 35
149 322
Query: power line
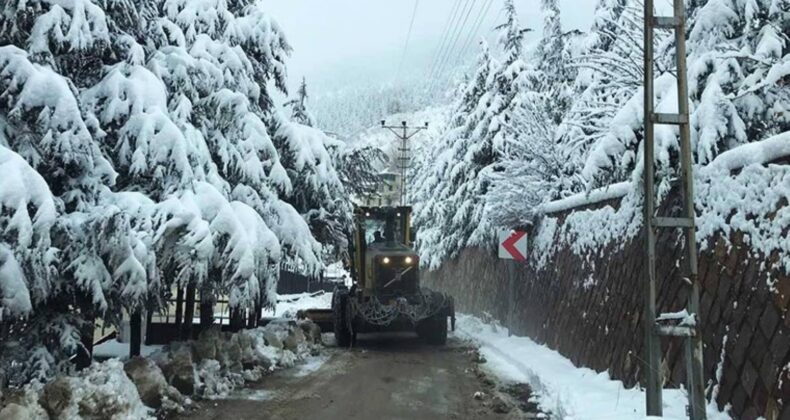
408 37
472 35
442 38
448 36
456 37
452 38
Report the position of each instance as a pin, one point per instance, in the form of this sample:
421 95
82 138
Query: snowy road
385 377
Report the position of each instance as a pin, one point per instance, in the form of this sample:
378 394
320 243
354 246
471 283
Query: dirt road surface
384 377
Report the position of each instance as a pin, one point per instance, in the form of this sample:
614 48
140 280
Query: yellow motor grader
385 295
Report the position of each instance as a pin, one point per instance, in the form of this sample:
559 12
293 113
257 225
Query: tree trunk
189 312
236 319
206 312
149 318
136 333
85 352
179 308
84 355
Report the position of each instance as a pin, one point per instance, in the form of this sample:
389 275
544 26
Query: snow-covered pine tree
599 86
441 171
485 143
317 193
532 168
299 112
553 75
729 85
358 166
150 123
482 126
40 119
606 117
762 97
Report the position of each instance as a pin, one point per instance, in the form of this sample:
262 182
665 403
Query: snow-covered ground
571 392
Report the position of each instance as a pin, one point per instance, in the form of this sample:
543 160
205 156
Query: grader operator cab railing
386 294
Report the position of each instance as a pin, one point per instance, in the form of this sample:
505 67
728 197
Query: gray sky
346 42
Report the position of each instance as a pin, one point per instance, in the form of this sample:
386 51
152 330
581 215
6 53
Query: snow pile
217 363
561 388
101 391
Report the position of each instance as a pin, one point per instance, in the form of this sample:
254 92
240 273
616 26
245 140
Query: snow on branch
759 152
264 41
14 296
609 192
245 252
46 127
71 25
27 260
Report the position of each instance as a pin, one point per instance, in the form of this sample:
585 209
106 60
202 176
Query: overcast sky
343 42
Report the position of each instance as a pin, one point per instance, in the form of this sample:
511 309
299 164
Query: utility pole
403 133
686 325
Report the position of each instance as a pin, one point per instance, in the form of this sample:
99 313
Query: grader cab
386 295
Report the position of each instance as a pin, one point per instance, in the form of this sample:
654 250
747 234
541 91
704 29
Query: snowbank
101 391
562 388
215 365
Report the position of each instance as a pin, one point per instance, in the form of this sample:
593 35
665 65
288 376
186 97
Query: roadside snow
310 365
101 391
569 392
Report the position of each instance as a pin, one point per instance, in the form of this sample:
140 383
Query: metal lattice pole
403 150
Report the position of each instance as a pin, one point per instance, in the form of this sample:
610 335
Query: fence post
511 304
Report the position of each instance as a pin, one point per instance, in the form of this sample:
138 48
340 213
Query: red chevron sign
513 245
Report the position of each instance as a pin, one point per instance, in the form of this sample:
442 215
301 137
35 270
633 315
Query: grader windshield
381 232
380 225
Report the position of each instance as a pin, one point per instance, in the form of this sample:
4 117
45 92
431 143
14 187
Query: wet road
384 377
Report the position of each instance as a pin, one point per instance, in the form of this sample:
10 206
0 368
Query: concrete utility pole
403 133
686 326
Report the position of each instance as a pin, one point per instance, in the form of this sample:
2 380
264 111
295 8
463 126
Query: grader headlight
408 260
385 260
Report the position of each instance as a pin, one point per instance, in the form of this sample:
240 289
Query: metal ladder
654 331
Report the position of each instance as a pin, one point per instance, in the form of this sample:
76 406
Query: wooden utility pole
687 327
403 133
